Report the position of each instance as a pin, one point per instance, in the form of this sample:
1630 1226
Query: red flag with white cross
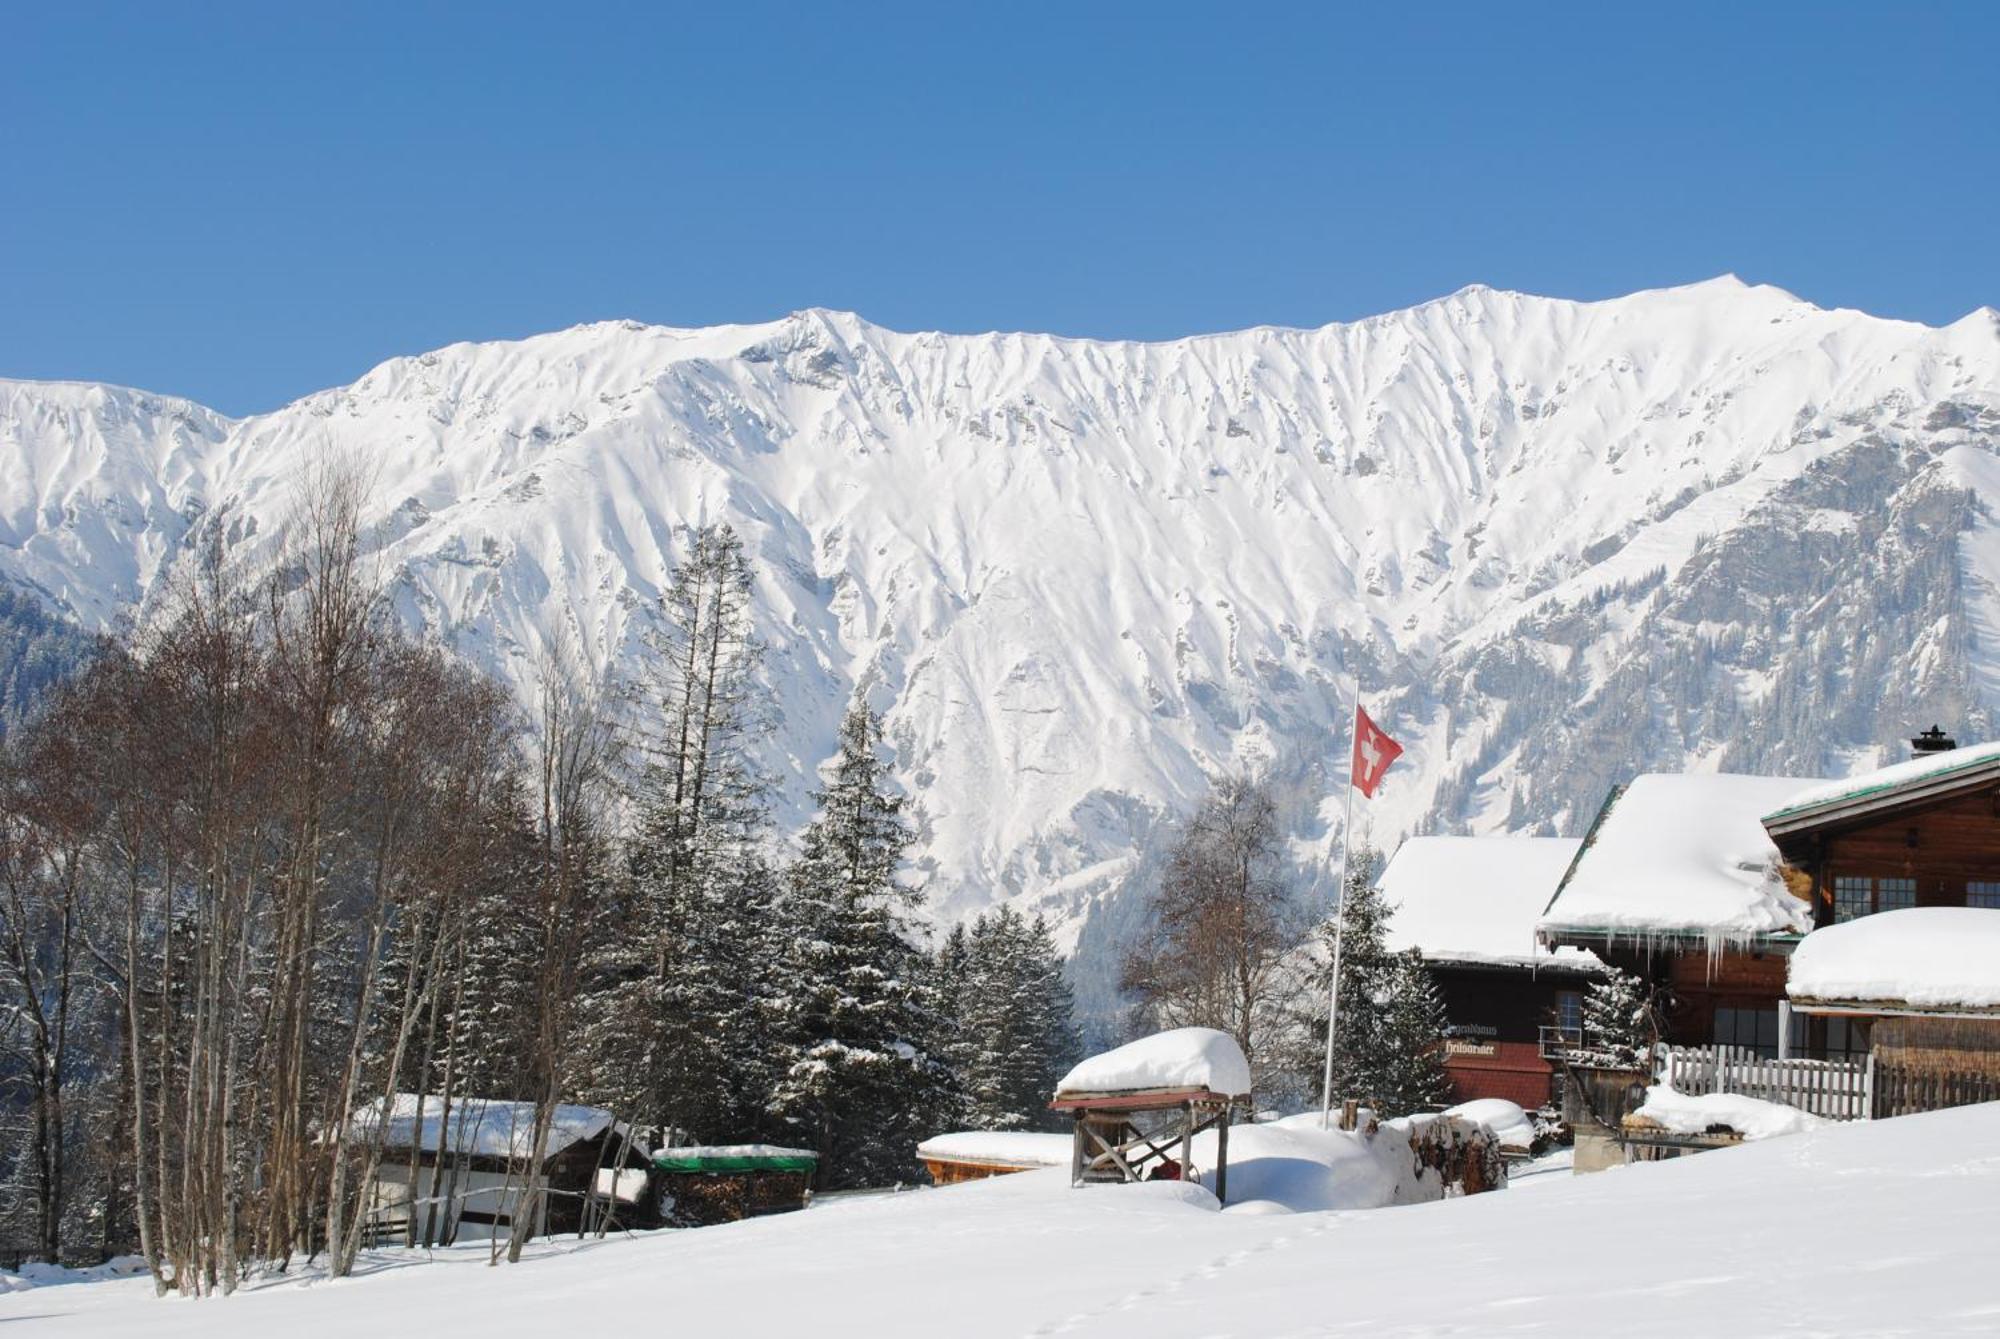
1373 752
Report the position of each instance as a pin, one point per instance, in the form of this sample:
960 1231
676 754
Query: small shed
974 1155
1132 1106
1923 986
461 1169
702 1184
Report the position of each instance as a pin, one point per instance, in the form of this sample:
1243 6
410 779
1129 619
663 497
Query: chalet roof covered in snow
1476 900
477 1127
1681 856
1189 1057
1941 959
1901 783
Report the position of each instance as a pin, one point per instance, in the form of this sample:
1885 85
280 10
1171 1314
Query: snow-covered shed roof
1183 1058
1897 784
1476 900
477 1127
1938 959
1681 856
999 1148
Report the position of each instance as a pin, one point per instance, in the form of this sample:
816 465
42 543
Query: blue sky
245 203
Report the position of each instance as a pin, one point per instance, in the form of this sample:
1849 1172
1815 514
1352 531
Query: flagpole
1339 915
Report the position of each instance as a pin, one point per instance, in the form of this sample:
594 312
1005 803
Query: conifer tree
1392 1022
855 1016
1617 1021
1016 1018
677 1032
1413 1026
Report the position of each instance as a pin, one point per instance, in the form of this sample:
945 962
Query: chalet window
1859 895
1895 894
1756 1030
1846 1038
1569 1014
1980 894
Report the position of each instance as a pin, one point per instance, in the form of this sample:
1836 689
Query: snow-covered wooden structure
1678 882
1469 905
701 1185
1923 986
1902 866
465 1169
974 1155
1132 1107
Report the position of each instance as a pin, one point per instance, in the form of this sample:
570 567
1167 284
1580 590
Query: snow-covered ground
1757 1240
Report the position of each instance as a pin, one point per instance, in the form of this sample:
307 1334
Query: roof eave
1891 1009
1786 822
1593 936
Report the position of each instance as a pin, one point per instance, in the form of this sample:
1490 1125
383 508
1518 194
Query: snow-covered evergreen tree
1413 1027
851 1002
1391 1025
1014 1019
676 1030
1618 1027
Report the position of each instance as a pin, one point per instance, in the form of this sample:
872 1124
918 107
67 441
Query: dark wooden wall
1942 846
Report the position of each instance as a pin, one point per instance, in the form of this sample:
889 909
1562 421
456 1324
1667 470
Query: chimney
1931 741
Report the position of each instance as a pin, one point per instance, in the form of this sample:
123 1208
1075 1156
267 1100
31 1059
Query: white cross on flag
1373 752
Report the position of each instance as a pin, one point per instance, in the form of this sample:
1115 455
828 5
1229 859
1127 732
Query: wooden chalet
1678 883
1903 870
1469 905
463 1170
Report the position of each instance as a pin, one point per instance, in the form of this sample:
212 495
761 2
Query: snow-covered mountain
1555 542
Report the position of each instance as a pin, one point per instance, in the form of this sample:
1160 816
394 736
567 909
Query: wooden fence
1835 1089
1903 1091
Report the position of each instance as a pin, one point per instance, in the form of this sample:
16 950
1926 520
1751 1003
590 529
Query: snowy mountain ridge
1555 542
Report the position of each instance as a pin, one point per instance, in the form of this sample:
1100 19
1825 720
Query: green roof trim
734 1160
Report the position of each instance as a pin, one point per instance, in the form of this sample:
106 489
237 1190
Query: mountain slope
1555 542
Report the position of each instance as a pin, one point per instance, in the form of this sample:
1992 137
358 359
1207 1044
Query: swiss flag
1373 752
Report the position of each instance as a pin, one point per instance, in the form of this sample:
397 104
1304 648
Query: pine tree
678 1032
1617 1022
1391 1022
1413 1074
1017 1025
861 1079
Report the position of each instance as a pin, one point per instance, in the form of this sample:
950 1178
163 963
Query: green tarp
735 1158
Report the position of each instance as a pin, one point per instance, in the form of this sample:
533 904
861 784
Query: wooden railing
1835 1089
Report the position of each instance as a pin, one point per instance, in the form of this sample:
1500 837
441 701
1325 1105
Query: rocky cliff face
1553 542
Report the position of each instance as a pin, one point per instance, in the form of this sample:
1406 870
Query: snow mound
477 1127
1510 1124
1683 855
1679 1113
999 1148
1476 899
1189 1057
1921 957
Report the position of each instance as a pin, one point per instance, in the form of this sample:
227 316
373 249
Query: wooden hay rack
1110 1147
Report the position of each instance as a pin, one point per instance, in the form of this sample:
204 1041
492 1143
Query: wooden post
1222 1158
1076 1149
1187 1140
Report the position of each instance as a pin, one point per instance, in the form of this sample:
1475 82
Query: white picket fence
1835 1089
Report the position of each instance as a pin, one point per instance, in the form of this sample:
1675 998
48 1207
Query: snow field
1740 1242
